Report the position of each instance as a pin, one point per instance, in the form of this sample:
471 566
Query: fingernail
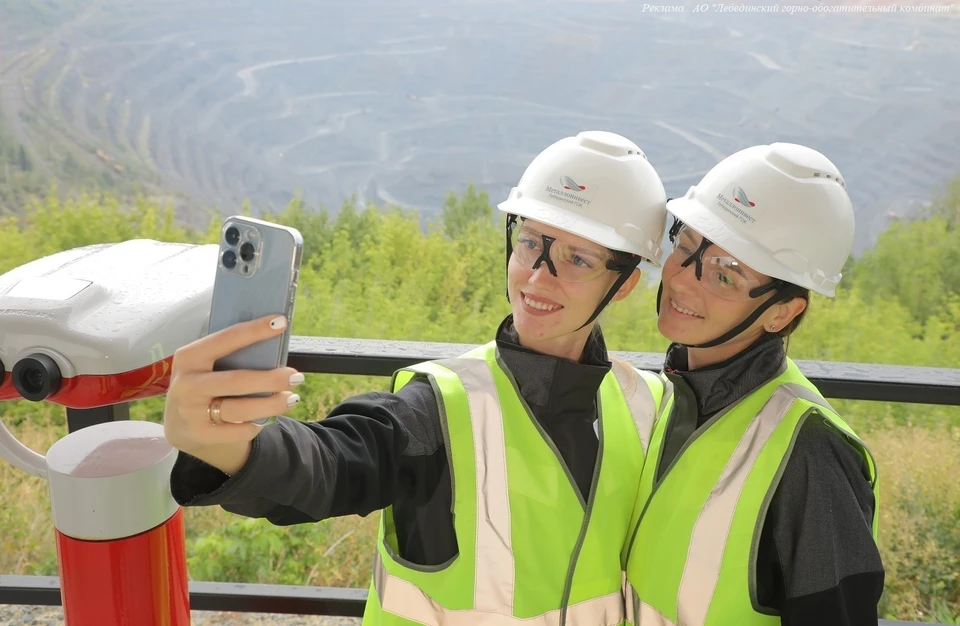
296 379
278 322
293 399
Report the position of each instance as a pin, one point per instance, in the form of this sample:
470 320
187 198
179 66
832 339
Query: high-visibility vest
690 558
530 551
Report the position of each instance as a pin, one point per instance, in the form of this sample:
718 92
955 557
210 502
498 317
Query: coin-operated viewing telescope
93 327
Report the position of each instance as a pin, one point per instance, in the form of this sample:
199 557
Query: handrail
240 598
835 379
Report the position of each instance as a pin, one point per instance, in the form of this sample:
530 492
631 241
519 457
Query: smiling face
547 311
697 311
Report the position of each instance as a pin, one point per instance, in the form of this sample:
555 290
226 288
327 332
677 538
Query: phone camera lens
232 235
229 259
246 251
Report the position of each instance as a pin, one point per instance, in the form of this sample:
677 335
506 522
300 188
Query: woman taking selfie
506 476
758 504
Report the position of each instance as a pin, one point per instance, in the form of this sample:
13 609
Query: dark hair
592 344
625 257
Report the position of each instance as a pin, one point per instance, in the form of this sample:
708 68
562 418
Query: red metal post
120 534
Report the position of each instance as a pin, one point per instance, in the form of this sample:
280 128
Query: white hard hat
599 186
782 209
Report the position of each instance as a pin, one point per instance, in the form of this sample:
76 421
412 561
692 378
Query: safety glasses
721 275
567 262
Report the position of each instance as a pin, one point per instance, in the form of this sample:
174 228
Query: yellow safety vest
690 558
531 552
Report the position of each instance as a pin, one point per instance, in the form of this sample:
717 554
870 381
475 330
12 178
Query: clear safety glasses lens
722 276
567 262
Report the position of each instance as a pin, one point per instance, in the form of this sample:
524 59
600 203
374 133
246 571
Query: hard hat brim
575 224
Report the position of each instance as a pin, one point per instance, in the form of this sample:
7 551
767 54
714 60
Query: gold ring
213 411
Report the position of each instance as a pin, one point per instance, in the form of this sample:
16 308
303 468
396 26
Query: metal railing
368 357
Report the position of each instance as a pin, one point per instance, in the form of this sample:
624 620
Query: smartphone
258 266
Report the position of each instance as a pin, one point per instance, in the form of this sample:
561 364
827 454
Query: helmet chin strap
625 271
782 293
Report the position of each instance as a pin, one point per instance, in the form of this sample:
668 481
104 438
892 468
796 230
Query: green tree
946 204
915 263
461 211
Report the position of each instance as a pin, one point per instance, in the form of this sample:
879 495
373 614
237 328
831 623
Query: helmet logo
739 195
739 207
571 192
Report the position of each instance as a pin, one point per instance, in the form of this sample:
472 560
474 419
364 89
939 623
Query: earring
772 328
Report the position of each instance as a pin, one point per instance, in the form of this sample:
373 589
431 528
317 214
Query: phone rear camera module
232 236
229 259
247 251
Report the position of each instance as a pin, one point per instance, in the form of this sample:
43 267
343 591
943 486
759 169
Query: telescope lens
32 380
36 377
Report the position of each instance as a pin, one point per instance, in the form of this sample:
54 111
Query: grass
920 522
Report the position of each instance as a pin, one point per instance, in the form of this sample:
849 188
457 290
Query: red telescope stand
120 535
94 327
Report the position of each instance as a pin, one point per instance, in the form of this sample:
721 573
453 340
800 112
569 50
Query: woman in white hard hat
758 504
506 476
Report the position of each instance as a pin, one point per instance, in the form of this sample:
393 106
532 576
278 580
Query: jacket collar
722 384
555 388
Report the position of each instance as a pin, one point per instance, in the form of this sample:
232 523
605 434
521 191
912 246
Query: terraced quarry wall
400 103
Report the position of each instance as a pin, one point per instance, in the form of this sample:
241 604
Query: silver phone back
268 286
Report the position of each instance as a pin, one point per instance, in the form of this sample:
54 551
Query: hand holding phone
257 271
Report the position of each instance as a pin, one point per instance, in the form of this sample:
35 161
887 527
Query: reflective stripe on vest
406 600
639 401
711 530
494 567
702 571
639 613
493 578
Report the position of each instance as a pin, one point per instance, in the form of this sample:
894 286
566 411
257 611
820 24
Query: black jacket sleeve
817 561
361 458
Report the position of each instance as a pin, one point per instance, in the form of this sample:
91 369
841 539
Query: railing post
81 418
